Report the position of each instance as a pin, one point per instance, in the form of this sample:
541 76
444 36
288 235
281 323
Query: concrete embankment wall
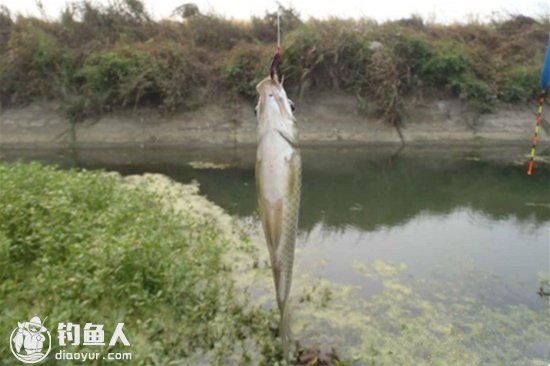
327 118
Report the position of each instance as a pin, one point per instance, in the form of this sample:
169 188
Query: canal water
418 256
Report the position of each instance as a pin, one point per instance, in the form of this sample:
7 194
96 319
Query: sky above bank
442 11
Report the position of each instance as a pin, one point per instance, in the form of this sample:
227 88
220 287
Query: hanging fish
278 185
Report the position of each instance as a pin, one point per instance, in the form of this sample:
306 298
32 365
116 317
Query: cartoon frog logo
27 341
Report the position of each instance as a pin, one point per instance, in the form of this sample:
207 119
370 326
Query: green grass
95 58
83 247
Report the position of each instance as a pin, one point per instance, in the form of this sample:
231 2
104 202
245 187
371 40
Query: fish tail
284 331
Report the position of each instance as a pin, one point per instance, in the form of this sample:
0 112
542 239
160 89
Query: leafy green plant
520 85
217 32
105 74
161 74
35 66
99 57
476 92
245 66
444 66
414 53
83 246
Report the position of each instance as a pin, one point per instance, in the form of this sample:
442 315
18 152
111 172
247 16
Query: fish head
273 104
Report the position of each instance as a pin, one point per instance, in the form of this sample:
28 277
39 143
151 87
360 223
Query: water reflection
370 192
364 188
439 252
496 261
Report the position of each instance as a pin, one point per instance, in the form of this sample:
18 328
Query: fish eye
292 107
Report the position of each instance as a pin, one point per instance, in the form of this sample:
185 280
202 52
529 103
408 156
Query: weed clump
444 67
96 58
162 75
520 85
244 67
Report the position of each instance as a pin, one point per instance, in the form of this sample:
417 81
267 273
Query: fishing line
278 53
544 82
278 28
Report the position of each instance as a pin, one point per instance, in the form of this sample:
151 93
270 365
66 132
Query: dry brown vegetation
94 58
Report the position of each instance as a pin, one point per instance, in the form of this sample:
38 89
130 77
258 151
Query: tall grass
94 58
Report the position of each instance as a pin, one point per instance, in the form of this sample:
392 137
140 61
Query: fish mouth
267 90
267 83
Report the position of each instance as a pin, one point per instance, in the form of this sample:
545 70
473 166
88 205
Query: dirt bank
323 118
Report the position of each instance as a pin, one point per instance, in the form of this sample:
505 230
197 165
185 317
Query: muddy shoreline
325 119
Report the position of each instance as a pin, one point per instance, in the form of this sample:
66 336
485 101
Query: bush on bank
94 58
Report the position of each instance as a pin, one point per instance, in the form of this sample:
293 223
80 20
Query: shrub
413 53
353 59
36 66
217 33
326 54
106 73
91 22
245 66
6 24
520 85
302 54
99 57
445 65
476 92
161 74
386 87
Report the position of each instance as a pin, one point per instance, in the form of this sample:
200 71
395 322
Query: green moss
418 321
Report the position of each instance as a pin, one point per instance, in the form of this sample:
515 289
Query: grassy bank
96 58
91 247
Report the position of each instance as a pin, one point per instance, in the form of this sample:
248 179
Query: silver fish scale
291 211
